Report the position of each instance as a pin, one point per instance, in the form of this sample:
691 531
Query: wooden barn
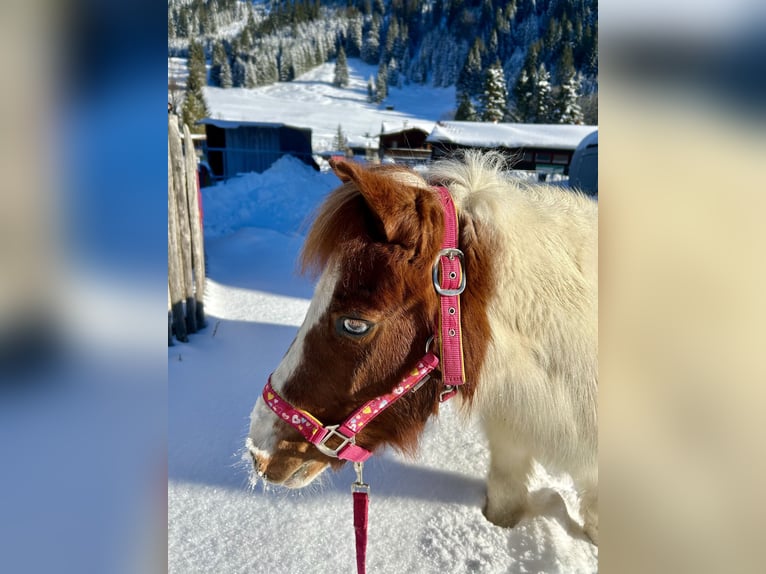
234 147
405 142
544 148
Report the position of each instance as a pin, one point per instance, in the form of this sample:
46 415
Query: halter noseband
449 281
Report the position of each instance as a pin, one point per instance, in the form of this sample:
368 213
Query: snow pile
282 199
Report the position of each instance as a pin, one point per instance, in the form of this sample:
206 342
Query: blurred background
82 269
83 324
682 275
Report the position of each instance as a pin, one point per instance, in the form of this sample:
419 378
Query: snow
388 127
313 101
481 134
425 513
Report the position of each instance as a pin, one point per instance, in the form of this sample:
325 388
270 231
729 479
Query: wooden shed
405 142
235 147
544 148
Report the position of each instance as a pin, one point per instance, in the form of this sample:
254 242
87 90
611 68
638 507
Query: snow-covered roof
408 124
240 123
361 141
481 134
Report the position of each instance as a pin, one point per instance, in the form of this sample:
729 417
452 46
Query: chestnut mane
343 205
345 215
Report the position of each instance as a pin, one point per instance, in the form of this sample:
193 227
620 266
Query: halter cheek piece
449 282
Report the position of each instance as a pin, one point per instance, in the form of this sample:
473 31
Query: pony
529 316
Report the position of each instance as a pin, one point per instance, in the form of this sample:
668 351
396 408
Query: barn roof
232 124
408 124
481 134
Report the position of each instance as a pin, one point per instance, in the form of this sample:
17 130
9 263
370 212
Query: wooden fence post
186 252
195 221
175 265
184 228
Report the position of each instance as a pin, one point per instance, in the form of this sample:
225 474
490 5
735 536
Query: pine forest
533 61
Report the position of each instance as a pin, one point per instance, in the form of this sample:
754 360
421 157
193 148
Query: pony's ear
342 169
393 194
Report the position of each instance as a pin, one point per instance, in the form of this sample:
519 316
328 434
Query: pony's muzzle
285 469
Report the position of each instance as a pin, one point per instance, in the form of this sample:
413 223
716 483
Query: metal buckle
420 383
451 253
333 430
448 390
360 485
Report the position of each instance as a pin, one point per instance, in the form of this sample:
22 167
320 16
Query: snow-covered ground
312 101
425 514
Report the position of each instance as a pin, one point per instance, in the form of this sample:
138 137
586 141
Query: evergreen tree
196 64
354 37
543 96
471 76
378 7
493 48
268 67
523 92
194 107
238 72
341 69
565 68
251 74
381 83
465 110
226 78
219 56
286 72
568 110
393 78
495 96
340 142
567 104
171 24
371 45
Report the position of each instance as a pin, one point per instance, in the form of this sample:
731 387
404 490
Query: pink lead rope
360 491
449 282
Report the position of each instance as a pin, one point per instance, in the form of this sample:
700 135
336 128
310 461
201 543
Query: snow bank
281 199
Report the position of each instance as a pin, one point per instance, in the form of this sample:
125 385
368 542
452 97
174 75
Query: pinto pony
528 315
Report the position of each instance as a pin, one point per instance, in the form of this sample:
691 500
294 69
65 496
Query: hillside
546 49
313 101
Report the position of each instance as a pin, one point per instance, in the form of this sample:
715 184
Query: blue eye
355 327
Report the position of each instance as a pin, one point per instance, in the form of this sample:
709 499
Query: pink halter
449 281
347 449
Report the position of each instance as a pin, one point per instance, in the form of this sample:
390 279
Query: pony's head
373 243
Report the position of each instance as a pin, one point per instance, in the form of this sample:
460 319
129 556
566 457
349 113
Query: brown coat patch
384 228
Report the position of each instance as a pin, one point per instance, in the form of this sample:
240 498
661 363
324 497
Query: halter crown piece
449 281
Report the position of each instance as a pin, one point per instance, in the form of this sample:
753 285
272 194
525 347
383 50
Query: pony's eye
355 327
